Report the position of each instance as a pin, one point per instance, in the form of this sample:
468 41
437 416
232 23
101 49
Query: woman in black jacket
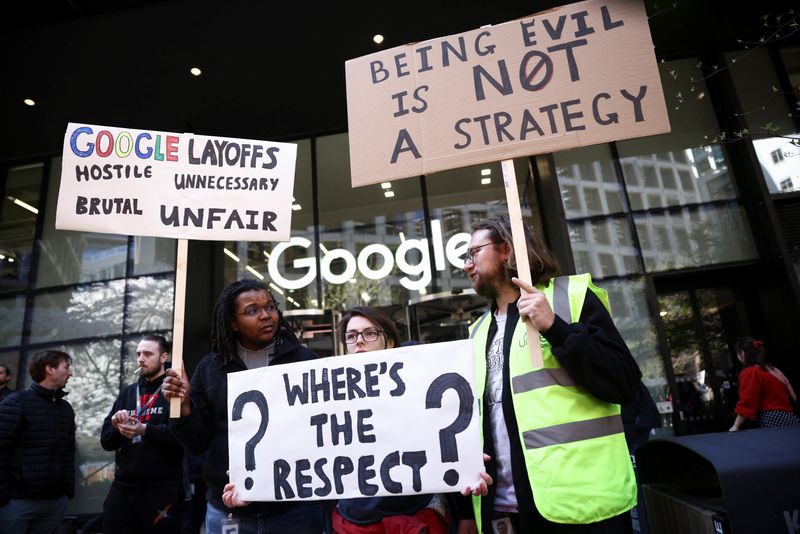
248 332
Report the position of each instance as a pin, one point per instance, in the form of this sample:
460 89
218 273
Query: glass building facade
690 232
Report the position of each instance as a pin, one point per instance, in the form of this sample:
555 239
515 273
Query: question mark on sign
257 398
447 435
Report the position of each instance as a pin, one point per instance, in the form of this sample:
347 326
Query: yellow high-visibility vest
576 457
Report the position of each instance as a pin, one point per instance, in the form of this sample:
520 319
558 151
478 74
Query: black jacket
158 459
206 427
597 359
37 445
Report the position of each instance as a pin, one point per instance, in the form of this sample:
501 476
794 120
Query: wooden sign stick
520 251
178 319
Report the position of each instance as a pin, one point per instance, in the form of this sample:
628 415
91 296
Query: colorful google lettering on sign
183 186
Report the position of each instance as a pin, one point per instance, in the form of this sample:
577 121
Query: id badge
502 526
230 525
136 439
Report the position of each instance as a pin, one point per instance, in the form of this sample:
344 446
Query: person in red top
764 391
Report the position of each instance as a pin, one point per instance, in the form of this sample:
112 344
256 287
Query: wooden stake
520 251
178 319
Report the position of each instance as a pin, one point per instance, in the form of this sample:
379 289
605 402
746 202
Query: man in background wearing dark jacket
5 378
37 449
147 492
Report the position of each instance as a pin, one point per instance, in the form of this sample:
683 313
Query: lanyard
139 409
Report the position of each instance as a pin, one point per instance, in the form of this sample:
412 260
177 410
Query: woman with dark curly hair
765 394
247 332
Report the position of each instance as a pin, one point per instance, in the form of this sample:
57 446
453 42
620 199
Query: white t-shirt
254 359
505 497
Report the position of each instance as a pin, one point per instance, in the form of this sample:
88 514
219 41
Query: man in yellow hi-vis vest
559 458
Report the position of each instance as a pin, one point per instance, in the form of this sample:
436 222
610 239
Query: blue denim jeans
304 518
32 516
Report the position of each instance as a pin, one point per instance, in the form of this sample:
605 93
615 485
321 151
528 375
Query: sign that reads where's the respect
185 186
392 422
577 75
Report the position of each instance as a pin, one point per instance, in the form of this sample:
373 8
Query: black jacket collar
47 393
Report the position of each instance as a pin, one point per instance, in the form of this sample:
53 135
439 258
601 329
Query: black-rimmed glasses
351 336
252 311
470 258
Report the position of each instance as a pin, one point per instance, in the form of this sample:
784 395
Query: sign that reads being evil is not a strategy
184 186
391 422
577 75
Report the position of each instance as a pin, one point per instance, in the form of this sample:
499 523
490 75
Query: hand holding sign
533 306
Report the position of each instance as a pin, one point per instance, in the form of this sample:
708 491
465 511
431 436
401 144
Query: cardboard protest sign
576 75
150 183
391 422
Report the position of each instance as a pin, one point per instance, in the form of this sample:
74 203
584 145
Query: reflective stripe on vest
569 432
541 378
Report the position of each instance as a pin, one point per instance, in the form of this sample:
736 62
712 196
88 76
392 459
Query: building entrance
444 316
700 327
316 329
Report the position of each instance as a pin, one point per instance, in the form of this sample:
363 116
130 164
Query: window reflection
768 115
604 247
152 255
12 310
85 311
705 235
20 206
588 181
670 170
150 305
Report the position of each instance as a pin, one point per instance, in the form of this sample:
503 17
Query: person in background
561 461
765 394
5 378
147 493
247 332
37 449
639 417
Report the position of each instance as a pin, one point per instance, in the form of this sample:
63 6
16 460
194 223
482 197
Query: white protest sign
184 186
575 75
392 422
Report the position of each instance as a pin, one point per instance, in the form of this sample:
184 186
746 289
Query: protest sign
185 186
391 422
576 75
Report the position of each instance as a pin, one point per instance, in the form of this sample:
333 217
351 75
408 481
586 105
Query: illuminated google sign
452 251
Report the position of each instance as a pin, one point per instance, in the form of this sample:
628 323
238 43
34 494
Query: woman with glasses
247 332
365 329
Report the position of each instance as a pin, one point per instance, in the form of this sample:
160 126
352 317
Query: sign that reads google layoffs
184 186
577 75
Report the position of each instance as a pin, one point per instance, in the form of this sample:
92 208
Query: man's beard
490 284
150 374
